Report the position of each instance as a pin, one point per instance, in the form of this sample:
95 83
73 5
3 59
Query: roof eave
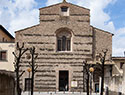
1 27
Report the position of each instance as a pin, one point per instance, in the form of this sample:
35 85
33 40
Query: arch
64 29
63 36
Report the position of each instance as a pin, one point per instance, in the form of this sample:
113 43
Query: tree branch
21 74
24 51
14 55
36 56
30 64
35 68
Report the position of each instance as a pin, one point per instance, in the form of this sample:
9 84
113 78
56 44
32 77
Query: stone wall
103 41
51 61
7 84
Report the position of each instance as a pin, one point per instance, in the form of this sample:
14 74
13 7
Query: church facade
63 40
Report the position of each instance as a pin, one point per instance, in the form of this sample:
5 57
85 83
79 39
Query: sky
104 14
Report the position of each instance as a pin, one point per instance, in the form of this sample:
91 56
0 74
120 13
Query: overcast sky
105 14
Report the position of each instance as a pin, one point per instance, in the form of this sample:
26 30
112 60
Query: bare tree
86 72
102 57
34 66
18 54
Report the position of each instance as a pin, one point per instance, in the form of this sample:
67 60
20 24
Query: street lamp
29 70
91 70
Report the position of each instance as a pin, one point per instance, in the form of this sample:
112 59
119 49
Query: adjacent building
117 80
7 76
7 46
5 36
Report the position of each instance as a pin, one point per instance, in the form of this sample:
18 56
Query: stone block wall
51 61
103 41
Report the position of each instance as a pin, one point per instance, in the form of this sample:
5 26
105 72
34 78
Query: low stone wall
7 85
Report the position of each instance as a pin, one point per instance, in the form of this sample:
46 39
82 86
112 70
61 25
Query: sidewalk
58 93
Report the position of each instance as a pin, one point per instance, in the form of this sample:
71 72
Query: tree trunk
87 84
32 80
102 82
17 76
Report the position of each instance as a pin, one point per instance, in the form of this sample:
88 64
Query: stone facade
86 42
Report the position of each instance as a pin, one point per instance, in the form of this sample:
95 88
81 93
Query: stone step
58 93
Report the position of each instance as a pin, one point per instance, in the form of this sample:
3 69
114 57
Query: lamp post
29 70
91 70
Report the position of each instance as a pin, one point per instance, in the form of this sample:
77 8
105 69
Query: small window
121 65
27 84
64 9
3 55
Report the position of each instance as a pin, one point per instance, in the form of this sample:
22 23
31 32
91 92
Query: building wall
7 64
116 68
7 84
6 37
115 82
51 61
103 41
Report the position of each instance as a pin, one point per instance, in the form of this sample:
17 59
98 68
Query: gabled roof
27 28
102 30
64 3
6 32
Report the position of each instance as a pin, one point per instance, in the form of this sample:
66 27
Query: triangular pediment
74 9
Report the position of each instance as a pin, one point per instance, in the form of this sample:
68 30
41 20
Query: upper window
64 11
3 55
64 41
